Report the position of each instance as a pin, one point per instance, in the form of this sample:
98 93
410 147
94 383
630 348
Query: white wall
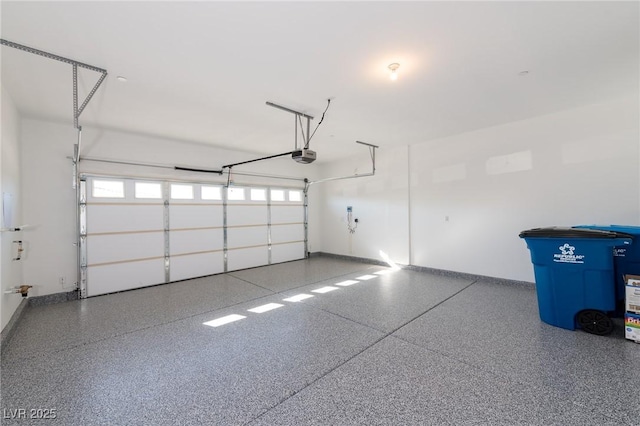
379 202
573 167
10 271
576 166
48 205
470 195
49 200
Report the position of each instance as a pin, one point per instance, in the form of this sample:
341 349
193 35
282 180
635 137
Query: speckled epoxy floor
403 347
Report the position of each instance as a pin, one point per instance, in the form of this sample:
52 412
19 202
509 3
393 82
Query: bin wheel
595 322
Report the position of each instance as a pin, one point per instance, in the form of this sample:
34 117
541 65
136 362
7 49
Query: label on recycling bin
620 252
568 254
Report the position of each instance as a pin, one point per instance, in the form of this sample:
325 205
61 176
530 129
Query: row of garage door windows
181 191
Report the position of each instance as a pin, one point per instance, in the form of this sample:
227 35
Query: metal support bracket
372 152
306 137
299 115
225 233
166 233
74 64
269 239
82 236
306 218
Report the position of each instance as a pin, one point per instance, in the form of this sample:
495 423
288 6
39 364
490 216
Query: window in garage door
287 226
124 236
196 236
247 229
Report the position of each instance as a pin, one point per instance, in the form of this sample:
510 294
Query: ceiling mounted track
297 119
75 64
372 153
302 154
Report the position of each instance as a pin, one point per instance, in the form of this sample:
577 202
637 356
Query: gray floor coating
285 276
403 348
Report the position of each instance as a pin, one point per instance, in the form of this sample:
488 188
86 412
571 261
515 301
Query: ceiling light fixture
394 68
121 79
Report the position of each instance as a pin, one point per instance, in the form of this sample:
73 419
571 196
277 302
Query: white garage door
138 233
196 234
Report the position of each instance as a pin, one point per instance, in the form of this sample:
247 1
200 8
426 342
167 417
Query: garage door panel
120 247
125 217
287 214
247 215
195 241
250 236
196 265
124 276
287 233
126 236
247 258
195 216
287 252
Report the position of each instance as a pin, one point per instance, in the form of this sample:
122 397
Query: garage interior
308 213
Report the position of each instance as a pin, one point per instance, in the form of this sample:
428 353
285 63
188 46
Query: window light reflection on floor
366 277
224 320
265 308
347 283
298 297
326 289
387 259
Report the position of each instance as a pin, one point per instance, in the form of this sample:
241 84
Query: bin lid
562 232
627 229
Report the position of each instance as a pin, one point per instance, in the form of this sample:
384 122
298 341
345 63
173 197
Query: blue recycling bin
626 259
574 274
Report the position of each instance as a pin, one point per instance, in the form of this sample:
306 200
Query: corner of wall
11 213
379 202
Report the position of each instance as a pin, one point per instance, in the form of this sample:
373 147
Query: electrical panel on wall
352 223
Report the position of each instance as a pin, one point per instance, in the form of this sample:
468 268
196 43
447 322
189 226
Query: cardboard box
632 327
632 294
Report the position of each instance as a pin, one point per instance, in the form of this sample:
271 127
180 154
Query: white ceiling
202 71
